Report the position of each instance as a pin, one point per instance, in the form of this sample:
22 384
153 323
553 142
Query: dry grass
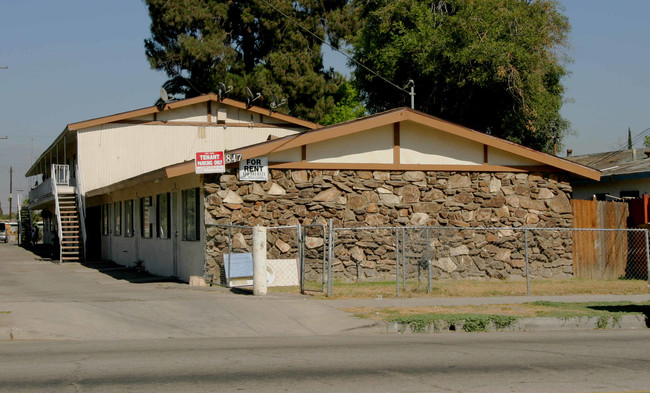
483 288
525 310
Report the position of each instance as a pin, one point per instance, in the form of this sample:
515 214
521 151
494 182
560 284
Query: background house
625 174
625 178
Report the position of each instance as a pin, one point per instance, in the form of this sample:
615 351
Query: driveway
43 300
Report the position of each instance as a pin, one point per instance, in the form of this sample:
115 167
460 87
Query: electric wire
336 49
622 148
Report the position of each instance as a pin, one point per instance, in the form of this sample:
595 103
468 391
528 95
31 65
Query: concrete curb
530 324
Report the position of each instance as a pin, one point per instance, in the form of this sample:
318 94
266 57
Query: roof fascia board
133 181
188 102
268 112
502 144
318 135
403 114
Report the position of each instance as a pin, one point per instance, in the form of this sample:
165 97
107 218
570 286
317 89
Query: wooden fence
605 254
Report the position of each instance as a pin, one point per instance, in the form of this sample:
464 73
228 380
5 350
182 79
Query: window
146 219
106 226
162 216
128 218
117 218
190 214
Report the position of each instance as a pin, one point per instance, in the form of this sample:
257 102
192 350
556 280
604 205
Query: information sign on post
209 162
254 169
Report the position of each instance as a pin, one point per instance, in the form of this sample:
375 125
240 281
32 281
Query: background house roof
619 164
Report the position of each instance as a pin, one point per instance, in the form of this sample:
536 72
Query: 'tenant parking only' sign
209 162
254 169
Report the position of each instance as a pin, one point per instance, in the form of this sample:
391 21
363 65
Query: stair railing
81 206
58 210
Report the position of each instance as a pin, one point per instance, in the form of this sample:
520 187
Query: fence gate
313 258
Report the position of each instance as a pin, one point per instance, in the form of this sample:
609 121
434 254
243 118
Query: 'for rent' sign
254 169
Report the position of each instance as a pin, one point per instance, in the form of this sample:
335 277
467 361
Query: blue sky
72 60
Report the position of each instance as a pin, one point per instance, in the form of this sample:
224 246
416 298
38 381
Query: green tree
247 43
491 65
348 105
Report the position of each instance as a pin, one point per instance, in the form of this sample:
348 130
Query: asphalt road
603 361
72 328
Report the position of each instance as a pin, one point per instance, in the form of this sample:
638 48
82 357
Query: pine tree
247 43
629 139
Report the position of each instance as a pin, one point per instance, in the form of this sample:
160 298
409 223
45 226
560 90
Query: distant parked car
4 236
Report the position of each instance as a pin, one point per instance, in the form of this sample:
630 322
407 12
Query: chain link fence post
429 258
527 261
331 256
397 259
647 255
301 256
403 254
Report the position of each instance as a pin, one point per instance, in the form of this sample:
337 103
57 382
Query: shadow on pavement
627 308
130 274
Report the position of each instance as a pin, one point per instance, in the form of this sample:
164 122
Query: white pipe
259 261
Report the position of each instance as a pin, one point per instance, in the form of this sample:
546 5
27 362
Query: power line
622 148
336 49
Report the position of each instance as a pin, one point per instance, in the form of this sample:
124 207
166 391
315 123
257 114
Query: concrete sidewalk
43 300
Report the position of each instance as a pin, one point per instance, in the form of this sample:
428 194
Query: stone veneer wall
460 200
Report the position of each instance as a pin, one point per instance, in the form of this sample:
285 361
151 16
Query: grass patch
480 288
5 312
473 318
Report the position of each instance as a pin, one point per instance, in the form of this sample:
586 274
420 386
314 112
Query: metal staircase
69 205
70 228
25 225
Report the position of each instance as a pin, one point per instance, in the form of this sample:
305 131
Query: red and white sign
209 162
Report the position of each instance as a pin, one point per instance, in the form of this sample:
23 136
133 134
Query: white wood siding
290 155
157 254
114 152
500 157
371 146
423 145
198 113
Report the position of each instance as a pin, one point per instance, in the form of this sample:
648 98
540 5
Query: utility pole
11 188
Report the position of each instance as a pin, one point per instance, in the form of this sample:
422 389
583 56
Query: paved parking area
43 300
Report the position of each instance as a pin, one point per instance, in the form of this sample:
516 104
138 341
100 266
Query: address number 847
233 157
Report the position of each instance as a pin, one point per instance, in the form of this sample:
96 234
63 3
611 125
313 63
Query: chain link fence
296 256
318 257
418 257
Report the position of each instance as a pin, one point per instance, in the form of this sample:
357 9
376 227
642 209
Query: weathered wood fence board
600 254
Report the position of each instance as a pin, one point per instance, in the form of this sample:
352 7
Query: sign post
209 162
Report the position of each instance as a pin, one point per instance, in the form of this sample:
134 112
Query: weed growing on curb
420 323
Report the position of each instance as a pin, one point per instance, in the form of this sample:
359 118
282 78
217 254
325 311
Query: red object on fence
639 214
